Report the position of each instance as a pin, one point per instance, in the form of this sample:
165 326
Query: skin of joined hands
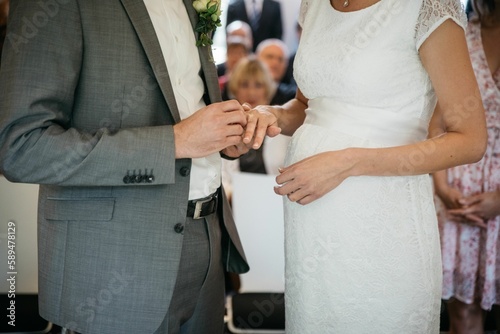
259 124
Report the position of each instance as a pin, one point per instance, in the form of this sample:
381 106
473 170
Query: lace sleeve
433 13
303 10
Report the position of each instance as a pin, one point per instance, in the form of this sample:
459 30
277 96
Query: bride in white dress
361 236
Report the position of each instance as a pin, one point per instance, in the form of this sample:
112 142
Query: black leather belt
199 208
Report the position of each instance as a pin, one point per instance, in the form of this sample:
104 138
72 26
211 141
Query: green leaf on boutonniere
208 20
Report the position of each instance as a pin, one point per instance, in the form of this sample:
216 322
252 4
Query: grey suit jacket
86 99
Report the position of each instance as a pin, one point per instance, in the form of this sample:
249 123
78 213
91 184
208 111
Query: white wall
18 204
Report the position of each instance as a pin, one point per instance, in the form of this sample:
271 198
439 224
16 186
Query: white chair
258 213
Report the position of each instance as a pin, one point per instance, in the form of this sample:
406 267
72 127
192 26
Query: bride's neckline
353 11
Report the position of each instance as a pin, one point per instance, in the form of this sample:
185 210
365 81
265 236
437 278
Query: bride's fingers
306 200
286 189
273 131
259 135
248 136
285 176
298 196
246 107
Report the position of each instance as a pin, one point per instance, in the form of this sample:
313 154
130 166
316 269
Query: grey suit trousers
197 304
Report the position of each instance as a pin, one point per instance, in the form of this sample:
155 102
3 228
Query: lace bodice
376 47
435 12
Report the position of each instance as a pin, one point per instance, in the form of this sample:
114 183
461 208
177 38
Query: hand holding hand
452 200
313 177
470 219
260 122
480 207
209 130
241 148
449 196
235 151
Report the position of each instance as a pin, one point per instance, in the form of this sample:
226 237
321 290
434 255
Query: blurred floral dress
471 255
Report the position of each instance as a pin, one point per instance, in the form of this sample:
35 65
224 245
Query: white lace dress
365 258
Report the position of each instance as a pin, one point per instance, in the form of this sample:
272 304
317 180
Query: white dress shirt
178 44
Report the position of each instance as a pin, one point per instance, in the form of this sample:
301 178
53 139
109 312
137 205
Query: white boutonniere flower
209 19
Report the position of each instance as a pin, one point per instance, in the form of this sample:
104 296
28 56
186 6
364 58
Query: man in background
274 53
263 16
237 33
237 49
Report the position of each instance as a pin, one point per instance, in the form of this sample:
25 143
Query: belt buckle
199 206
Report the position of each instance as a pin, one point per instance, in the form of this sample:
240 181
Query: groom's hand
255 130
209 130
235 151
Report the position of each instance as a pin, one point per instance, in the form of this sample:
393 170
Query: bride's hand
313 177
260 122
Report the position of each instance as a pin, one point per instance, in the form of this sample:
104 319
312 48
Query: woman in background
469 222
250 83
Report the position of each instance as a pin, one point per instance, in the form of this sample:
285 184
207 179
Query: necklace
346 3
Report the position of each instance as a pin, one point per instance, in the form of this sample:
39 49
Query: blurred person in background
237 49
250 83
274 53
263 16
4 12
469 211
288 77
239 29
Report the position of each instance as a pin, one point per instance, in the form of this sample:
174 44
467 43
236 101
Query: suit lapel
265 9
205 52
143 26
243 12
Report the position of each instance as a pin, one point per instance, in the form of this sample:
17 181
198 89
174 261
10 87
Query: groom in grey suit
114 111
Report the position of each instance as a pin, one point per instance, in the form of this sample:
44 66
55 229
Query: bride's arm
291 115
445 57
